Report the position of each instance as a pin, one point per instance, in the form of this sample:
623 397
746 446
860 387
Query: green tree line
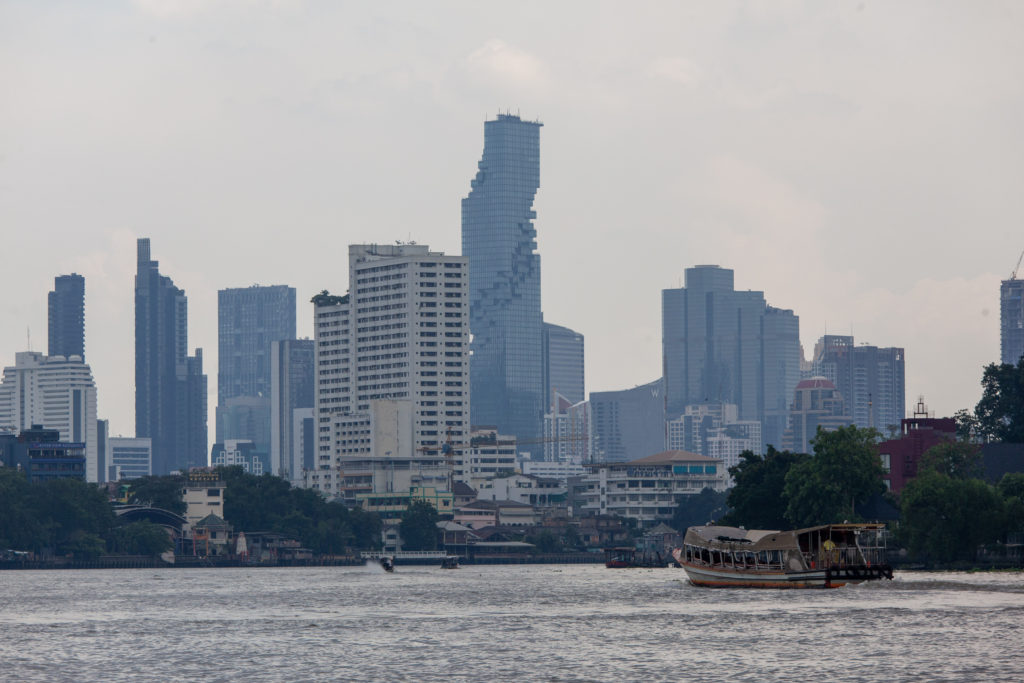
69 517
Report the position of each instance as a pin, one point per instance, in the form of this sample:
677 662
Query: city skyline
673 137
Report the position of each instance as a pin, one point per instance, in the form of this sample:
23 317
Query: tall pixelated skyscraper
170 387
1011 320
499 238
66 315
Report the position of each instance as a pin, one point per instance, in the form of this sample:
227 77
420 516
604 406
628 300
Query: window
886 462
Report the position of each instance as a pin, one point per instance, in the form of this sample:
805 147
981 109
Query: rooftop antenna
28 337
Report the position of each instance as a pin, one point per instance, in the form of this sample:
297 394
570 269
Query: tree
1000 412
756 499
706 506
160 492
139 538
946 519
844 471
419 526
545 541
956 459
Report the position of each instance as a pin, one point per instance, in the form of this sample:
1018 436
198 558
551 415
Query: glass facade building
1011 321
720 345
66 316
499 238
170 387
563 364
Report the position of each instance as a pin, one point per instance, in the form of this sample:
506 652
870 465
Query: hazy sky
859 162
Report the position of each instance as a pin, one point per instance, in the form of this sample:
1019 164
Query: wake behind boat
827 556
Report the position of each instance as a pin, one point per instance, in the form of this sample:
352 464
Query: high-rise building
56 393
721 345
563 364
629 424
249 320
499 239
816 403
291 393
567 435
400 336
870 379
1011 320
170 387
66 315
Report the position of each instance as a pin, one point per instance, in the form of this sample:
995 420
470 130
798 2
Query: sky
858 162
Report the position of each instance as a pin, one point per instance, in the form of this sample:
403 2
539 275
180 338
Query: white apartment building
55 392
649 489
567 436
489 453
524 488
399 338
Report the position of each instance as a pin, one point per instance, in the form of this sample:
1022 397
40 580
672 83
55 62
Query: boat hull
724 577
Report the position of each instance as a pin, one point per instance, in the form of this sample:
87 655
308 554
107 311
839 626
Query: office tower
170 387
721 345
249 320
870 379
499 239
56 393
291 393
1011 320
66 315
629 424
400 336
563 364
129 458
816 403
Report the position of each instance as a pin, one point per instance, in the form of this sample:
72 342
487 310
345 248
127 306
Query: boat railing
845 557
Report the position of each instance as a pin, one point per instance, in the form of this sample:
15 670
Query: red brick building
900 457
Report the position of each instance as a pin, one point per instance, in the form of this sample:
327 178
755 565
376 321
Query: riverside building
649 489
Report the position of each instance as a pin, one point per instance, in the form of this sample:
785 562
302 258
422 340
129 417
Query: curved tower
498 237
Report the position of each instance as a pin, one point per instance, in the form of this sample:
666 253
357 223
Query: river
500 623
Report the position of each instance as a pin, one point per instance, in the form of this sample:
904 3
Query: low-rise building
489 454
648 489
524 488
487 513
203 495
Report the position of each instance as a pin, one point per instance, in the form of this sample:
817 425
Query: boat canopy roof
756 540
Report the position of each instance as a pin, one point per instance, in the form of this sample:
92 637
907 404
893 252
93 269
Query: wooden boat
827 556
450 562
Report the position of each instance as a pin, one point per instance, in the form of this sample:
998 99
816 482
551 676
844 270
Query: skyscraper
870 379
629 424
725 346
170 387
1011 320
249 320
291 399
57 393
563 364
66 315
392 358
499 239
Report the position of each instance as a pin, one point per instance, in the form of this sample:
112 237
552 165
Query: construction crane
1013 275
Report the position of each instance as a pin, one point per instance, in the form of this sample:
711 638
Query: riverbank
189 561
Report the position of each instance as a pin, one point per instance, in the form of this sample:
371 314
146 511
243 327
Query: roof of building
463 489
669 457
659 530
815 383
493 505
211 520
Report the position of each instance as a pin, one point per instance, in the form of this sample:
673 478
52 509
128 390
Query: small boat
450 562
827 556
388 563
